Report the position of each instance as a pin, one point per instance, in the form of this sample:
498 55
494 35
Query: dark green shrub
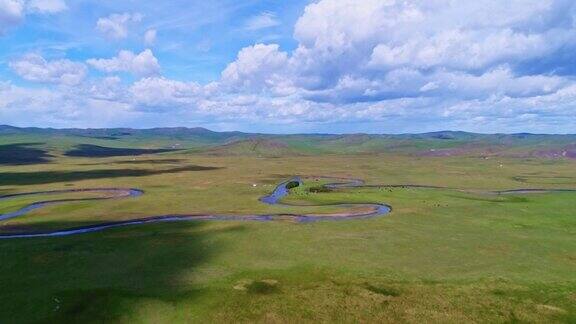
292 184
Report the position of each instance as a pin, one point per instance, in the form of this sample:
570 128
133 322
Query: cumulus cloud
60 107
341 38
158 92
115 26
13 12
262 21
34 67
463 50
416 65
385 59
143 64
256 67
108 88
376 59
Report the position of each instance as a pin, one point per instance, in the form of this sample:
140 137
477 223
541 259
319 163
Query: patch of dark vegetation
262 287
88 150
500 292
292 184
158 161
384 291
520 179
443 135
44 177
111 138
319 189
23 154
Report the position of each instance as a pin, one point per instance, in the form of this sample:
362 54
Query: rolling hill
16 142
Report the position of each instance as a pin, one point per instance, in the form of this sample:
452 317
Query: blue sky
339 66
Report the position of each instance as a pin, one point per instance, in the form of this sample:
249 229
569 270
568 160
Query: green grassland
442 255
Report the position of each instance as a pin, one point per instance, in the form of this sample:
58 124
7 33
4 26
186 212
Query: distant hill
203 141
255 146
117 133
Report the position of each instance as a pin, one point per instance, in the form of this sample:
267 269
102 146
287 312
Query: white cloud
255 68
143 64
160 92
115 26
60 107
150 37
465 50
33 67
13 12
339 38
47 6
109 88
17 97
262 21
377 58
500 81
414 65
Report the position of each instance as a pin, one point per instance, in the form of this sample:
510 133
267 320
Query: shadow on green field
157 161
23 154
44 177
138 162
103 277
88 150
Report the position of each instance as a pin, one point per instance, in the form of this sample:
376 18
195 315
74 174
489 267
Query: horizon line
280 134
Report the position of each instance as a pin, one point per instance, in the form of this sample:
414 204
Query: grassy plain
440 256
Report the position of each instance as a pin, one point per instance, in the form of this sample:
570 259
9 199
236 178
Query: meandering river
351 210
355 211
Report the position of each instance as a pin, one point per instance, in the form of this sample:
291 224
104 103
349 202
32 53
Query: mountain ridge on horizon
204 130
111 141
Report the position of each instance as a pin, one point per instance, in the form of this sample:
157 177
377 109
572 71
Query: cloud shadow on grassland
95 151
45 177
106 276
23 154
